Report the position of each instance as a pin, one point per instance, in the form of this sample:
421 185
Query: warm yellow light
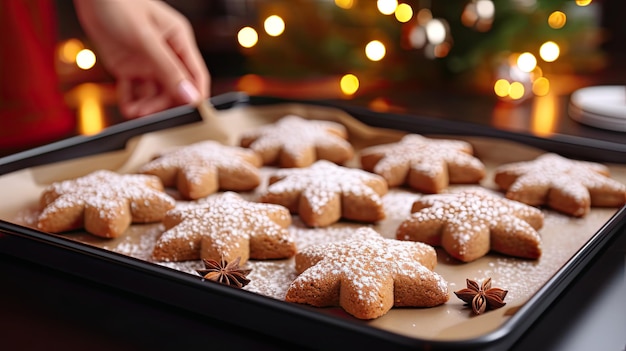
375 50
516 91
349 84
387 7
526 62
557 19
541 86
583 2
502 87
404 12
344 4
549 51
274 25
545 114
247 37
69 49
85 59
90 109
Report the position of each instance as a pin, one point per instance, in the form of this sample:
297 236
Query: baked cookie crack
203 168
424 164
103 202
470 223
568 186
324 192
225 227
367 275
294 141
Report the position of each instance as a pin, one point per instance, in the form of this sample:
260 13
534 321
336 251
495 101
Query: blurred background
507 59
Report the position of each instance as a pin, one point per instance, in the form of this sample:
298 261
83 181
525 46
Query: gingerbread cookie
203 168
296 142
469 224
225 227
324 192
426 165
105 203
367 275
568 186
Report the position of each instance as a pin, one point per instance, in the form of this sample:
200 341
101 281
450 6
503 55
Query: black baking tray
289 322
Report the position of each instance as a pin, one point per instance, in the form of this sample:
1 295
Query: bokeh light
349 84
274 25
526 62
541 86
549 51
502 88
404 13
583 2
344 4
387 7
557 20
247 37
485 9
435 31
517 91
85 59
375 50
69 49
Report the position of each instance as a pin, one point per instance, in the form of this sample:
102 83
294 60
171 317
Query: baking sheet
563 236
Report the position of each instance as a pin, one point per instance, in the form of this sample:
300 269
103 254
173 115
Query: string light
526 62
349 84
387 7
85 59
583 3
344 4
69 49
247 37
375 50
274 25
549 51
404 13
557 20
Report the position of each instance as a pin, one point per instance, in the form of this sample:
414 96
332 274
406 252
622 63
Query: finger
153 104
143 98
170 72
180 37
182 43
125 98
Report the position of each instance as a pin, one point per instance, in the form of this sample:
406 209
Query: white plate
600 106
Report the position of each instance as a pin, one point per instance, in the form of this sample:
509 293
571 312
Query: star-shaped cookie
105 203
569 186
203 168
367 275
324 192
470 223
297 142
424 164
225 226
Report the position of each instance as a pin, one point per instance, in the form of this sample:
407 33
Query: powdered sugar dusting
322 182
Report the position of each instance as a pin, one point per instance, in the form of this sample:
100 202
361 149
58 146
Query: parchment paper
562 236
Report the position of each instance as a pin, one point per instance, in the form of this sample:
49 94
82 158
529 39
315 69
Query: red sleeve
32 109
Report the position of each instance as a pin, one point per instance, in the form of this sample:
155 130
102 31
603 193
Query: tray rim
505 335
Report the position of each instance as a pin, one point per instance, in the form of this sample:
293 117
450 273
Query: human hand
150 49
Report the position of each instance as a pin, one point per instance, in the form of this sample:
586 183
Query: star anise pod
482 297
227 273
